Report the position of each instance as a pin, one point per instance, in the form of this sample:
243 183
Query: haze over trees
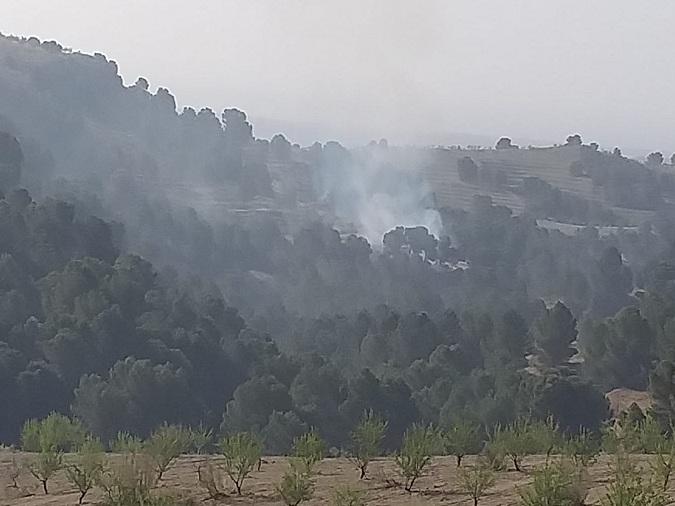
161 266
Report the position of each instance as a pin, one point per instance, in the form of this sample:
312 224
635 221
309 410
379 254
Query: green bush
366 441
463 439
582 448
628 488
130 481
165 445
309 449
210 477
416 453
558 483
651 437
662 465
126 443
644 435
201 438
242 453
346 496
477 480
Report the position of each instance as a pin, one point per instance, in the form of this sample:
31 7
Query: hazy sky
414 71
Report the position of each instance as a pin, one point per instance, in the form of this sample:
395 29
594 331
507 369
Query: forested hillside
162 266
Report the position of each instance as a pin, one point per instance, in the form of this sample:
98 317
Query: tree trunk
44 486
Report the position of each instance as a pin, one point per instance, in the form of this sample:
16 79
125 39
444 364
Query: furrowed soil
440 485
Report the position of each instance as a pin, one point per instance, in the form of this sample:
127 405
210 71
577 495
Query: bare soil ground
439 486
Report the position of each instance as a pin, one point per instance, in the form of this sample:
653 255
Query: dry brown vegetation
440 485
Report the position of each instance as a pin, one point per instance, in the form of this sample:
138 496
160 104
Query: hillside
76 118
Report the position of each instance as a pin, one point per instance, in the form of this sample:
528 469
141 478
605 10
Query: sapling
462 439
87 469
242 453
366 441
309 449
46 464
475 481
296 485
416 453
165 445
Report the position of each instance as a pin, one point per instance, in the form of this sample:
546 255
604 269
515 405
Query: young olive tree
477 480
462 439
561 483
296 485
522 438
583 448
165 445
416 453
86 471
309 449
56 431
46 464
242 453
367 440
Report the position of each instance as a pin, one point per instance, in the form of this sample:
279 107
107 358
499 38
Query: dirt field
439 486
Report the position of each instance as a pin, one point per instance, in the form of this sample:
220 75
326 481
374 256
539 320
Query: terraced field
551 164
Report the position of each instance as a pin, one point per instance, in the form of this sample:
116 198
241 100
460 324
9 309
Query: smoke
377 188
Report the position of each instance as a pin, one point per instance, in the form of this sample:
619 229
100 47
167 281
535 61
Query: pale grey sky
413 71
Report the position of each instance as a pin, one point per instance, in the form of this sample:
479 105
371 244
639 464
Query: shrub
463 439
126 443
560 483
87 469
477 480
366 440
345 496
494 457
650 437
643 435
130 480
46 464
201 438
662 466
296 486
582 448
242 452
309 449
628 487
416 451
210 478
14 470
165 445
